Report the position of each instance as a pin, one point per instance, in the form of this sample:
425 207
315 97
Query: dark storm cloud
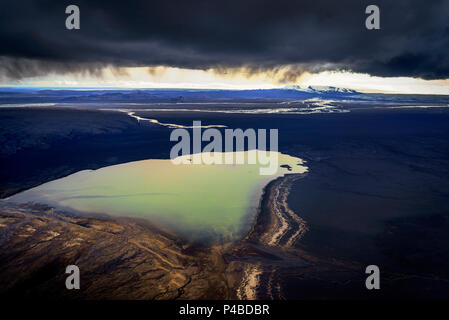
310 35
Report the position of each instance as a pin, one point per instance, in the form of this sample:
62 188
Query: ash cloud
274 35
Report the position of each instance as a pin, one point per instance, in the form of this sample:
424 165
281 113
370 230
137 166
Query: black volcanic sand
43 144
377 191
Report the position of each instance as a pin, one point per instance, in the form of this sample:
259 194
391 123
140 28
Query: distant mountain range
322 89
172 95
290 93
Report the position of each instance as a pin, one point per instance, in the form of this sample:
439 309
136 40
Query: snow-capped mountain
322 89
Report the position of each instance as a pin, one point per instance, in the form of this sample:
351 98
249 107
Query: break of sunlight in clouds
239 78
366 83
154 77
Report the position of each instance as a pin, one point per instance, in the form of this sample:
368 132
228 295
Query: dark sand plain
377 193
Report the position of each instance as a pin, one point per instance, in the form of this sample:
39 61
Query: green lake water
196 201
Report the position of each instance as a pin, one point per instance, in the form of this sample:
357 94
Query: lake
215 202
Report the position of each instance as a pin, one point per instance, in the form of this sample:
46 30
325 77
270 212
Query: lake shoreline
269 244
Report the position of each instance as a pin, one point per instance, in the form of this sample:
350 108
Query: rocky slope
118 259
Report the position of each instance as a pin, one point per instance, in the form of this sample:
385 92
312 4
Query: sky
241 44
